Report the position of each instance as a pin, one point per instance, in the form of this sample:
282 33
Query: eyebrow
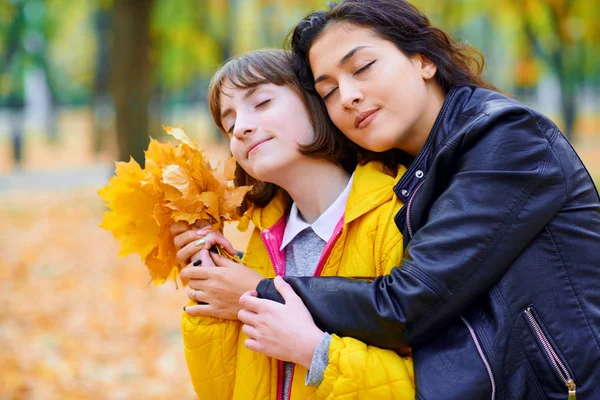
343 61
248 93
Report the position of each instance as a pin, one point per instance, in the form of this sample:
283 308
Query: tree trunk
569 108
101 104
17 127
130 84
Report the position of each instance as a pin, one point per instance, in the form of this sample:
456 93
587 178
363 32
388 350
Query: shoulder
488 112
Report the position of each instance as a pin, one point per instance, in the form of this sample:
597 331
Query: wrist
253 283
310 347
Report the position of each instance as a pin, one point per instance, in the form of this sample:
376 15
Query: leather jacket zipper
410 232
557 363
482 356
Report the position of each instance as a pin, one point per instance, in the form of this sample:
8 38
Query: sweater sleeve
319 362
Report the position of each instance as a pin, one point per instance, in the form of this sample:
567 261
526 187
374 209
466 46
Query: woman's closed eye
329 94
259 105
357 72
263 103
362 69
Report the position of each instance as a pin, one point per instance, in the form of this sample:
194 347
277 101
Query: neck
313 185
422 129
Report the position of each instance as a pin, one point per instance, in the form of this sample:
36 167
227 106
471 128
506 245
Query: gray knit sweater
302 255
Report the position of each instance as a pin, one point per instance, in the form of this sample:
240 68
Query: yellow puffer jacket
368 245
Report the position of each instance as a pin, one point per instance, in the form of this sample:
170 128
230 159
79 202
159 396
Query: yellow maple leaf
177 184
178 134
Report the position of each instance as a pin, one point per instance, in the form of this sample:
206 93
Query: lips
256 144
364 115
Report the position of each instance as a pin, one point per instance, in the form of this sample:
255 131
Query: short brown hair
277 67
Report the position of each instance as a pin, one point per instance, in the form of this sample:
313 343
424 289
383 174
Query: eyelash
263 103
358 71
257 106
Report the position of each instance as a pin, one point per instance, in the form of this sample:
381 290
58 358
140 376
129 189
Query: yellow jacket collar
371 187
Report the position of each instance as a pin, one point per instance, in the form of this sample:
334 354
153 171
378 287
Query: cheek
338 117
237 151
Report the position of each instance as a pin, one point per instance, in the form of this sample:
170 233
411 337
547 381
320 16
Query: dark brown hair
276 67
410 30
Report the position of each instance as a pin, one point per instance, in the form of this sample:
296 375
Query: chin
265 171
377 146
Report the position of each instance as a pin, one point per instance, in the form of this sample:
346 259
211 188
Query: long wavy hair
398 21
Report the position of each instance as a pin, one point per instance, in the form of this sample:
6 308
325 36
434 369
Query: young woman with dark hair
498 291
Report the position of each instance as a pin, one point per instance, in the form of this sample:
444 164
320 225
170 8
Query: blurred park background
84 83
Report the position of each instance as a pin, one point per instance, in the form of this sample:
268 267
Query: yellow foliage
177 184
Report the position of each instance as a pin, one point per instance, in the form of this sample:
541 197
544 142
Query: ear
427 67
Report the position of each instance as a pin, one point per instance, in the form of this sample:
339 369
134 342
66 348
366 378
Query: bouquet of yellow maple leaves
177 184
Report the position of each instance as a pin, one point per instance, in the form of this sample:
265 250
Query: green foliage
520 38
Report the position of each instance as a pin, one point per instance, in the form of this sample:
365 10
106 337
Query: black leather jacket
499 289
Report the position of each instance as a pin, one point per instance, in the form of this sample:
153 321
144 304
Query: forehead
230 92
339 39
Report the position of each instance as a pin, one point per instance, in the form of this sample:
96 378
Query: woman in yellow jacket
278 137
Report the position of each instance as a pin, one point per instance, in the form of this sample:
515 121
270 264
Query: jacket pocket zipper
557 363
486 363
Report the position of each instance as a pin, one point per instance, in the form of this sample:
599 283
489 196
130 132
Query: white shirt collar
324 225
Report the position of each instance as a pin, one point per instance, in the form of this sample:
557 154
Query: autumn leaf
179 134
231 200
229 169
177 184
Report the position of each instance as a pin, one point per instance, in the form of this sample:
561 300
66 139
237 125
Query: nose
350 94
244 126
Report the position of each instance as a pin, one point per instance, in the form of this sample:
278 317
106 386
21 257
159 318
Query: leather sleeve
505 186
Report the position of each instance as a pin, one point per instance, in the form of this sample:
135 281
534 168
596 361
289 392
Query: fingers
253 345
252 293
201 310
197 296
191 272
178 227
254 304
221 261
188 241
248 317
183 238
186 245
195 242
284 289
189 252
195 257
205 257
251 331
212 238
203 224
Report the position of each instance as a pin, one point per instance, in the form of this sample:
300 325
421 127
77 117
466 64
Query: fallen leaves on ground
77 321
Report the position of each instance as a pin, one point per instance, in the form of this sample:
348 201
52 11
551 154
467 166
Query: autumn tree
131 76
